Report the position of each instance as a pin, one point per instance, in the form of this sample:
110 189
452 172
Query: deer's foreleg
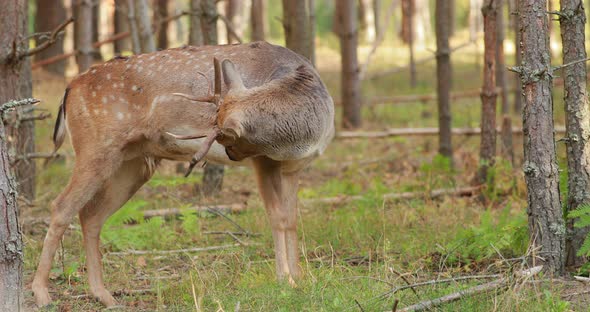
279 193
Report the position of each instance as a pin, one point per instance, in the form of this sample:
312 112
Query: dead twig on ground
229 208
118 293
169 252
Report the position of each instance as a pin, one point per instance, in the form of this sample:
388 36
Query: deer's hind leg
87 178
115 192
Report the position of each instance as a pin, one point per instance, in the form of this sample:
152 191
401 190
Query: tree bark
487 151
83 34
13 22
408 9
209 22
50 13
121 25
376 14
131 18
162 12
96 55
296 25
195 36
577 120
213 173
506 141
257 19
144 27
546 225
346 18
443 74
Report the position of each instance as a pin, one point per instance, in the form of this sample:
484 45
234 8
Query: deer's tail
59 132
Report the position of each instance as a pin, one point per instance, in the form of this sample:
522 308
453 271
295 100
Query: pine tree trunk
487 151
408 7
546 225
506 133
132 22
121 25
257 19
577 120
144 27
213 173
50 13
376 12
443 74
96 55
296 25
195 36
13 22
346 18
162 12
83 34
518 59
209 22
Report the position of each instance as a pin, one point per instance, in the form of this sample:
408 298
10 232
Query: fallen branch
462 191
422 132
441 281
479 289
169 252
117 293
52 39
230 208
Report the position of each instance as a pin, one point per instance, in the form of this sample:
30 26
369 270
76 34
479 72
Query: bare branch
52 39
16 103
230 28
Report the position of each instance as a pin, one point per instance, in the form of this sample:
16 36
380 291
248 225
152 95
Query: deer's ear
231 76
232 128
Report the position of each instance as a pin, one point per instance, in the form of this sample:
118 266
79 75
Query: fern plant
582 214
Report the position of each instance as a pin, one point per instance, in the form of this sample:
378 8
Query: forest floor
355 254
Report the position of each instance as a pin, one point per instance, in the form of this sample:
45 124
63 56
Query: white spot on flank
93 94
104 100
120 116
115 85
128 66
93 71
121 85
134 88
139 69
96 111
98 87
109 76
152 57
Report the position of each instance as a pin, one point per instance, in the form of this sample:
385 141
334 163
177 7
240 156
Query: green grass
350 252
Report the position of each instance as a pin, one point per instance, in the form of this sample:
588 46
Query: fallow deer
273 112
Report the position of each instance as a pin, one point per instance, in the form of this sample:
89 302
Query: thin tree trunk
546 225
195 36
213 173
209 22
506 142
257 11
346 18
162 12
231 12
50 13
408 7
487 151
13 22
376 14
83 33
296 25
135 44
577 120
368 19
96 55
121 25
443 74
144 27
518 59
312 30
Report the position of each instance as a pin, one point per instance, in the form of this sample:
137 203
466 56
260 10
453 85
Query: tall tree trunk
162 12
368 19
50 13
195 36
213 173
96 55
232 8
121 25
444 76
546 225
83 25
376 14
131 18
506 133
312 30
422 26
577 120
296 25
408 9
13 22
144 26
257 19
487 151
346 18
209 22
518 58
